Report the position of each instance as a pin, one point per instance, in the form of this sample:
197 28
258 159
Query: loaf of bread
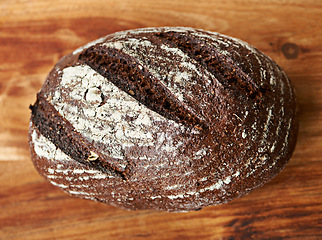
171 119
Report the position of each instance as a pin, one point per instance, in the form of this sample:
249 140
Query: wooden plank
34 34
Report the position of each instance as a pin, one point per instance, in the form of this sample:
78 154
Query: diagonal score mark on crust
63 135
128 75
223 68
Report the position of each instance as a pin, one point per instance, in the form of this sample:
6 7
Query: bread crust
171 119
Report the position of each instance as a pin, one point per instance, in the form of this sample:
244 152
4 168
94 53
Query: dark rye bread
171 119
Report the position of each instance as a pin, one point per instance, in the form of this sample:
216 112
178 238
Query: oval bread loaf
171 119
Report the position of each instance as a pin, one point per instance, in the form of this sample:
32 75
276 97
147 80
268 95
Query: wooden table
34 34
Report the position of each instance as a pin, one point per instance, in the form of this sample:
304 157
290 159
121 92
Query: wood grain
34 34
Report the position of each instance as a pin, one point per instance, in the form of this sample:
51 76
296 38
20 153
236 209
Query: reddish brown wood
34 34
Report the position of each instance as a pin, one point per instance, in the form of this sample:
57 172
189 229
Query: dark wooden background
34 34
